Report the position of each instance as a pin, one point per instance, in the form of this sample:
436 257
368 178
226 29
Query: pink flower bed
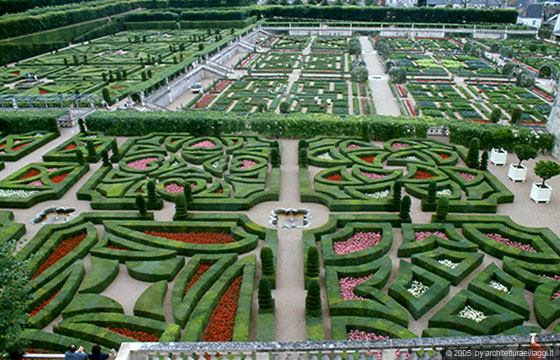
141 164
359 335
51 169
358 242
347 285
35 183
466 176
204 144
372 175
556 295
354 147
514 244
247 164
176 188
421 235
397 146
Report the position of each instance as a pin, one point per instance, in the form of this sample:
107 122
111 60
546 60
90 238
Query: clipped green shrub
266 303
472 154
312 263
180 207
313 299
405 209
442 209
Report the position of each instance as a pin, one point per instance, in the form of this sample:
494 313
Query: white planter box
540 194
517 173
498 156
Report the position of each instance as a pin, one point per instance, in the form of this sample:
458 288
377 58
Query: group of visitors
74 353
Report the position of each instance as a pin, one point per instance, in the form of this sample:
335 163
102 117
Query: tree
141 204
313 299
525 79
91 155
266 303
107 96
397 194
14 297
284 107
180 207
432 192
152 195
80 156
261 107
105 158
359 74
503 137
516 115
524 152
267 261
507 69
354 46
312 262
275 157
472 153
484 161
496 115
547 170
442 209
397 74
405 209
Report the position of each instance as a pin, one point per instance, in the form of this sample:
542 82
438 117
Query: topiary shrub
432 191
313 299
80 157
484 161
312 263
496 115
187 191
267 261
180 207
284 107
405 209
302 144
472 153
442 209
547 170
91 156
397 189
141 204
82 126
516 115
115 157
275 157
302 158
105 158
152 195
524 152
266 303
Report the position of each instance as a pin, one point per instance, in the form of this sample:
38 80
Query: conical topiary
180 207
313 299
405 209
432 191
442 209
141 204
312 263
266 303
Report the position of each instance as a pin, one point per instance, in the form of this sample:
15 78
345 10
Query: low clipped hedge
101 274
410 246
468 262
91 303
36 142
156 270
150 303
101 142
9 229
341 325
128 250
38 339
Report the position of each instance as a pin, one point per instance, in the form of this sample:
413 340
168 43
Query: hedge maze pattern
207 257
462 252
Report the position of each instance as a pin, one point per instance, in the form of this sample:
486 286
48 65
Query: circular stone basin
53 215
290 218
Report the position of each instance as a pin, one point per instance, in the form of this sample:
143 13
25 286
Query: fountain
53 215
290 218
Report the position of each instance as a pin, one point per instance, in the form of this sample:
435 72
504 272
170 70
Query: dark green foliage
365 132
14 297
516 115
495 115
302 158
354 46
398 75
152 195
275 157
80 157
472 154
115 156
503 137
432 190
313 299
524 152
187 190
484 161
91 155
442 209
397 190
82 126
267 261
266 304
262 107
546 170
105 158
405 209
141 204
312 263
180 207
284 107
107 96
53 125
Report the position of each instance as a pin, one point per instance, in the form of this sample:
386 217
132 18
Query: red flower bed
222 321
335 177
69 147
204 101
113 247
443 156
423 175
219 191
42 305
20 146
194 237
369 159
220 86
202 269
135 334
59 178
66 246
29 174
43 92
410 108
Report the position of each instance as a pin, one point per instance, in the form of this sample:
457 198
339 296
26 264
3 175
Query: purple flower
358 242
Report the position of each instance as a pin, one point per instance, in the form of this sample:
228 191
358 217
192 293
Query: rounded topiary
82 126
524 152
105 158
404 214
516 115
547 170
442 209
152 195
302 158
180 207
187 190
141 204
472 153
91 155
496 115
302 144
79 156
312 263
313 299
284 107
267 261
432 192
266 304
484 161
275 157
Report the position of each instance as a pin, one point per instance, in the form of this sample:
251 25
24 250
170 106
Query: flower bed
137 335
58 179
469 313
174 188
141 164
360 241
42 305
421 235
325 156
372 175
444 192
222 321
498 286
204 101
21 194
65 247
450 264
31 173
423 175
369 159
417 289
206 238
359 335
378 195
220 86
397 146
514 244
247 164
347 285
202 269
466 176
207 144
335 177
354 147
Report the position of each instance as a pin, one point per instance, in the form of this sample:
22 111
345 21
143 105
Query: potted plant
502 141
498 156
545 170
518 172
